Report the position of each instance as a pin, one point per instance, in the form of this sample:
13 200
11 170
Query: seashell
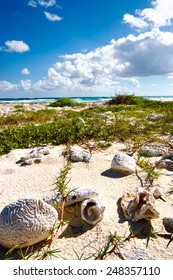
29 221
55 197
168 224
123 163
92 211
139 204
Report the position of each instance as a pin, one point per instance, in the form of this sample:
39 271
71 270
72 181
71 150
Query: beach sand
7 108
76 239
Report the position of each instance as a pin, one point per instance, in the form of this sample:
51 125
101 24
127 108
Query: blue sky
94 47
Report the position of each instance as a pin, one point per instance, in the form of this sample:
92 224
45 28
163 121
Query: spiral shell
92 211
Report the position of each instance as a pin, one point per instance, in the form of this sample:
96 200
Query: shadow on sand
141 228
112 174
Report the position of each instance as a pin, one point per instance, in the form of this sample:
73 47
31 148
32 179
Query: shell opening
92 211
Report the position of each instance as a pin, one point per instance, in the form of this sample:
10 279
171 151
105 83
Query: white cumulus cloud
26 84
25 71
136 22
122 61
6 86
15 46
147 54
159 15
52 17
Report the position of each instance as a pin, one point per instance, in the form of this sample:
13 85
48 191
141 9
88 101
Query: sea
78 99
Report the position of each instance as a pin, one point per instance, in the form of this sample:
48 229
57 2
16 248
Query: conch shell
92 211
139 204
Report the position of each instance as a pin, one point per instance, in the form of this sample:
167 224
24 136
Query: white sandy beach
76 238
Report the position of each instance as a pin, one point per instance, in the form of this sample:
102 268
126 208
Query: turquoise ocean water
79 99
52 99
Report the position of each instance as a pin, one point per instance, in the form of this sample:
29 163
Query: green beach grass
22 128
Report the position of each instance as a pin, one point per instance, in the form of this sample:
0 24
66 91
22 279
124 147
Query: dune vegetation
123 118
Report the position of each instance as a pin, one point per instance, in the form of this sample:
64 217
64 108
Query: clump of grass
62 184
152 172
65 101
19 108
61 181
113 245
132 99
125 99
116 242
28 117
39 251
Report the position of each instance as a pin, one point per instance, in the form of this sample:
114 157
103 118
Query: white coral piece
139 204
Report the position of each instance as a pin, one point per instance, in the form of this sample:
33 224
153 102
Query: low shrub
125 99
65 101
